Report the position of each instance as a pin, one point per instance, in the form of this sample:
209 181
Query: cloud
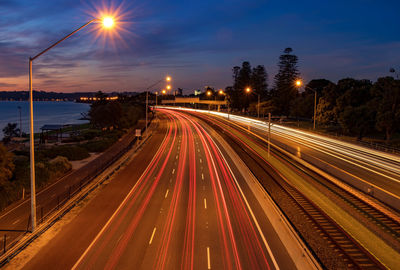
7 84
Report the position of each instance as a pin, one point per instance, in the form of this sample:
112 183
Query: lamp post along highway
298 84
168 79
248 90
107 22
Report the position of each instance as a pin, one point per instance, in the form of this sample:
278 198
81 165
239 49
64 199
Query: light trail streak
117 252
188 253
250 237
378 159
248 234
167 232
123 204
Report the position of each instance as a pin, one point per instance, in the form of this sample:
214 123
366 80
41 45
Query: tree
386 100
357 120
242 79
258 81
285 91
6 165
105 114
10 131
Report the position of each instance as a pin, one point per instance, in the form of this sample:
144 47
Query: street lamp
168 79
248 90
299 83
107 22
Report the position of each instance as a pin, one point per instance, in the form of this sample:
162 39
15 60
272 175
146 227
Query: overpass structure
191 100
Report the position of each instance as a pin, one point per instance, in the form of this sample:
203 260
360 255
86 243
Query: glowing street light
169 87
168 79
248 90
298 84
209 93
107 22
221 92
164 91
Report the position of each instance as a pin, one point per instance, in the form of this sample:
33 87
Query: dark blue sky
196 42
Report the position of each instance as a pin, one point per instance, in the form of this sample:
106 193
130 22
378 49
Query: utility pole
269 133
20 122
147 108
315 107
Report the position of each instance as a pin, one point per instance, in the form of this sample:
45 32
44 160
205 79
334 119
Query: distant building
197 92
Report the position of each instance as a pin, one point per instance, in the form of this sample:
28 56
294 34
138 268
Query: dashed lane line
208 258
152 235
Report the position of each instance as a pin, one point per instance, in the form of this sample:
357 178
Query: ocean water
44 113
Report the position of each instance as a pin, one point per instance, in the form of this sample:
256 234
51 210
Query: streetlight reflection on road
107 22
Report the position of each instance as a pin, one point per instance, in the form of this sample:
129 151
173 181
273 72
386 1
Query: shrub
98 146
71 152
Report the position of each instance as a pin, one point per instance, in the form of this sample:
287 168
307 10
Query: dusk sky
196 42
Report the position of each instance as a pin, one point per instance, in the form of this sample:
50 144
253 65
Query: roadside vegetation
109 121
361 109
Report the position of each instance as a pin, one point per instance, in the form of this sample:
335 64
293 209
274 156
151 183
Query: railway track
345 247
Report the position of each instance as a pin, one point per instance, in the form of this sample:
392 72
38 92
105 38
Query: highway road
181 203
351 209
372 171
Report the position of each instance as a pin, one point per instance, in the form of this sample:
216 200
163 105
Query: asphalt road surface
179 204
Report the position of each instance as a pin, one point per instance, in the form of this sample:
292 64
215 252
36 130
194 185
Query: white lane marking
201 161
166 193
176 157
116 211
202 176
173 171
204 187
52 196
198 150
15 222
208 258
152 235
205 203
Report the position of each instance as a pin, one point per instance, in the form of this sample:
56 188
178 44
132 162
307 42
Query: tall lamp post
168 79
299 83
248 90
108 22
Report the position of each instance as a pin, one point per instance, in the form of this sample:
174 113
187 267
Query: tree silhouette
10 131
285 91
